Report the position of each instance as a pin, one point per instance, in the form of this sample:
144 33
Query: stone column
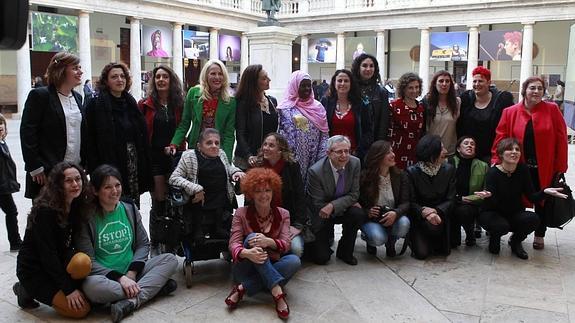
271 46
214 51
526 53
177 49
303 53
245 52
340 54
135 58
472 54
424 58
23 75
380 54
84 46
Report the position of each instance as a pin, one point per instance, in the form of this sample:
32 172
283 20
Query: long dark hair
176 94
355 67
353 96
287 154
52 196
248 90
369 180
433 96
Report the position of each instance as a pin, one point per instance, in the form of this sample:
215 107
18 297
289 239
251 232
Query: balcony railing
291 8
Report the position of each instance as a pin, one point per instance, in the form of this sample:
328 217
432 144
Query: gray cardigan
86 239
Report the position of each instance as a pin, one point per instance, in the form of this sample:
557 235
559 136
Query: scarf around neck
429 168
310 107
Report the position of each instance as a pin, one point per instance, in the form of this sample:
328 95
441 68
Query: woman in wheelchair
204 174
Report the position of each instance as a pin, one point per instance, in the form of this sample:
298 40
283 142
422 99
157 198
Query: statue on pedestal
271 7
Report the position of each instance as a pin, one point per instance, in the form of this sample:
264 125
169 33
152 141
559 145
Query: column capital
213 29
84 12
340 33
473 26
424 28
528 23
304 35
177 24
134 19
380 30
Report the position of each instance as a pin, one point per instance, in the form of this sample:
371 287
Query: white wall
8 62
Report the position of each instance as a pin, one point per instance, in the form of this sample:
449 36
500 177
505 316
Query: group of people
414 169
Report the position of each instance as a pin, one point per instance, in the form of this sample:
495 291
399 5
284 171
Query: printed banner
322 50
54 33
449 46
229 48
500 45
196 44
156 41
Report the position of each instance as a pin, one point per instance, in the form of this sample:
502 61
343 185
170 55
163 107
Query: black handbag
558 212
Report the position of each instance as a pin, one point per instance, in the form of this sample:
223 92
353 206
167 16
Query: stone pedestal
271 47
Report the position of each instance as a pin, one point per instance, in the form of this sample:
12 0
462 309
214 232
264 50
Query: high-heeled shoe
282 314
233 304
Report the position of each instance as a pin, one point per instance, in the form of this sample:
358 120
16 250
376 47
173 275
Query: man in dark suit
333 191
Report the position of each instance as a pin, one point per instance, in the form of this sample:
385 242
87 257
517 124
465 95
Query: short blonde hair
205 88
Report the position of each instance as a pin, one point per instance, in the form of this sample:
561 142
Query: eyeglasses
341 152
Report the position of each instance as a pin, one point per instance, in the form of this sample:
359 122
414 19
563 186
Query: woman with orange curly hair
260 242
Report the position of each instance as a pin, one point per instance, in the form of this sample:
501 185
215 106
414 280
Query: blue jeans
297 245
376 234
255 277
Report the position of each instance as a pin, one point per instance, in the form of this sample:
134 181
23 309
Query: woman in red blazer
260 242
541 130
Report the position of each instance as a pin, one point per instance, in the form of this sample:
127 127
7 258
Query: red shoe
282 314
231 304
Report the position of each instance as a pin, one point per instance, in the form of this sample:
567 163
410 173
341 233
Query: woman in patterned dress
303 122
407 120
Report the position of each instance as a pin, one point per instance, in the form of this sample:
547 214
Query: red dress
406 128
345 127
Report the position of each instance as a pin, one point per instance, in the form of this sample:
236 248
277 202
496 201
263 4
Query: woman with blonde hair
209 105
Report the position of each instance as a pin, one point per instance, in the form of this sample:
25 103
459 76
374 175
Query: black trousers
9 207
464 215
428 239
521 223
351 220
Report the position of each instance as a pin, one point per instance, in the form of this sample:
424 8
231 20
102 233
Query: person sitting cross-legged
333 192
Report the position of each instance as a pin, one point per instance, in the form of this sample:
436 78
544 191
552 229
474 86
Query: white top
73 127
385 192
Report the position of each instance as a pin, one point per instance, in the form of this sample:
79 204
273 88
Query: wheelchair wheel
188 271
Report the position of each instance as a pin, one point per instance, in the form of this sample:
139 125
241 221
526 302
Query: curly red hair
483 72
259 176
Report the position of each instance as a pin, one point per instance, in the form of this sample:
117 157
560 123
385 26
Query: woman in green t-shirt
117 243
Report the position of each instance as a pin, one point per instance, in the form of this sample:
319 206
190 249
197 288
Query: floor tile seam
413 288
198 303
460 313
18 308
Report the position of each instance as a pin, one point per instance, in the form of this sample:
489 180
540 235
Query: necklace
506 171
340 114
443 110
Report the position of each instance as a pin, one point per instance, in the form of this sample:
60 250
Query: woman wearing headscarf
303 122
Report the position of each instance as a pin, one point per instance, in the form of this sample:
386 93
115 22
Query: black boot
121 309
494 244
371 249
390 247
517 248
24 300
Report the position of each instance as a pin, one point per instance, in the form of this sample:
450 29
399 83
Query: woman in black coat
276 154
346 114
52 127
117 133
432 194
256 114
480 111
48 269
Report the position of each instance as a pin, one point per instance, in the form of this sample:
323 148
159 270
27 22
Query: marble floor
470 285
